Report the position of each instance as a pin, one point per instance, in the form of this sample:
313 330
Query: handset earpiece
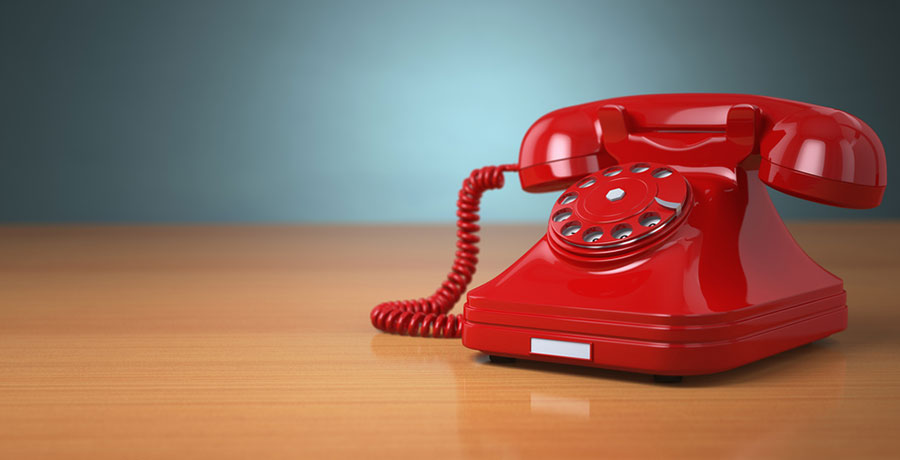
560 148
824 155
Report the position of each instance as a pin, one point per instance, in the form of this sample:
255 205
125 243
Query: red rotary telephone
664 254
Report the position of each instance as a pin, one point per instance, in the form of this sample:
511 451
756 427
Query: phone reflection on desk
538 409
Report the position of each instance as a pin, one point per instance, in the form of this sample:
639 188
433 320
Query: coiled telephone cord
428 316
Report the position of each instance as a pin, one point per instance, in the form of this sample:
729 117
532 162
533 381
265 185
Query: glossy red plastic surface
721 283
804 142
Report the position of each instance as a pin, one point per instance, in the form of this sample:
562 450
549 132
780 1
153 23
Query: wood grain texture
237 342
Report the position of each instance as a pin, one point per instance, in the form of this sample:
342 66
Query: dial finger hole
660 173
621 231
587 182
562 214
649 219
592 234
612 171
640 167
568 198
571 228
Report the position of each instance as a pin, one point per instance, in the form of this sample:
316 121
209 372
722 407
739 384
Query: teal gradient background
125 111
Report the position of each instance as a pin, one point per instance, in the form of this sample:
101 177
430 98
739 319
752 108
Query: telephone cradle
664 253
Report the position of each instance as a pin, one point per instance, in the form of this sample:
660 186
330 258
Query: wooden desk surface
238 342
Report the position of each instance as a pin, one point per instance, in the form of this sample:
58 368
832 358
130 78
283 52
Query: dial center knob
615 194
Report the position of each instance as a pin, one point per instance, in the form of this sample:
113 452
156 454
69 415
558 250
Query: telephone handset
664 253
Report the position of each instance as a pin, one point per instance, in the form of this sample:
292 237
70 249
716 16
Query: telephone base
662 358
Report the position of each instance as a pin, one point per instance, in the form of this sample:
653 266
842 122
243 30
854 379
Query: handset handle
704 134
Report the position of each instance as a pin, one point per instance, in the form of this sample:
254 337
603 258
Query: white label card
561 348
